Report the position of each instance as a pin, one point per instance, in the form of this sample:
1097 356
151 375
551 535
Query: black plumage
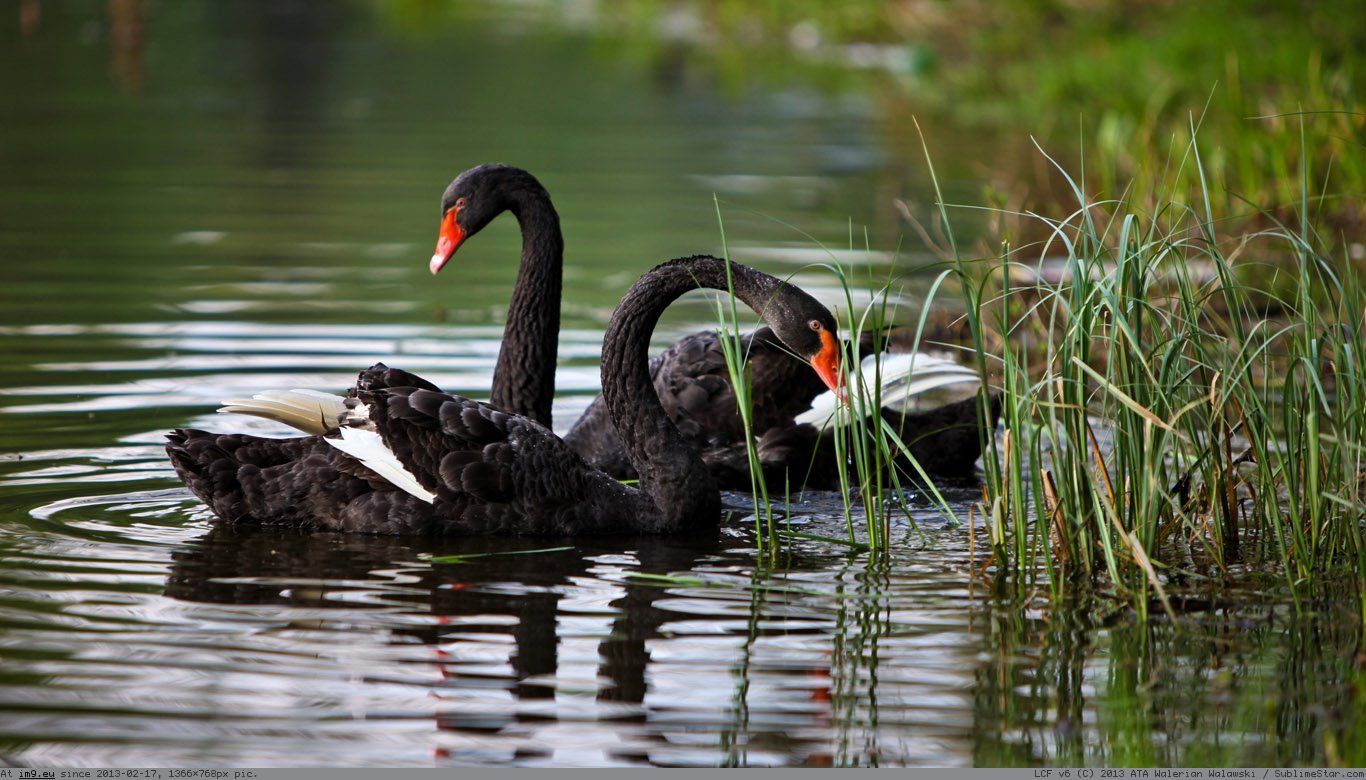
690 377
489 471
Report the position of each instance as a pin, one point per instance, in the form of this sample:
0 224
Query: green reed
866 446
1176 401
732 348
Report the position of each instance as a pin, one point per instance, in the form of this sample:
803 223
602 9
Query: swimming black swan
408 458
690 377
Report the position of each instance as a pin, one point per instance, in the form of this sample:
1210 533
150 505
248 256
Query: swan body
407 458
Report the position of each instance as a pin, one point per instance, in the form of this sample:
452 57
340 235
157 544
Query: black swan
690 377
408 458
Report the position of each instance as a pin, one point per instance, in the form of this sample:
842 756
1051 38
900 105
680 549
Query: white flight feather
368 448
310 411
317 413
903 375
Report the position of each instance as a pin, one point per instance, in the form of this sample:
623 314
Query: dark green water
234 197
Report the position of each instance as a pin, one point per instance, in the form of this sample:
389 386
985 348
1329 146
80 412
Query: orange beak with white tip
827 364
449 240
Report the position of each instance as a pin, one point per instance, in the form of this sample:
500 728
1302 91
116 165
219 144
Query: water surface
243 196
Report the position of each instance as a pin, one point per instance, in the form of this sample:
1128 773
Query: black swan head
808 329
524 379
479 195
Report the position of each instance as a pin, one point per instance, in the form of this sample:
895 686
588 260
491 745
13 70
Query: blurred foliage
1110 87
1264 81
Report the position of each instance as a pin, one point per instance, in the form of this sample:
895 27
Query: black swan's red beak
827 364
447 241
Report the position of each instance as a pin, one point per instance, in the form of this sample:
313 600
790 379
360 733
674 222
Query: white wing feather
903 375
320 414
368 448
309 411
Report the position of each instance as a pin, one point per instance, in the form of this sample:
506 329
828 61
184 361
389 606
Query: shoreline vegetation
1221 369
1185 405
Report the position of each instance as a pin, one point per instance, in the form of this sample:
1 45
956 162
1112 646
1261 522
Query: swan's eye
815 324
460 203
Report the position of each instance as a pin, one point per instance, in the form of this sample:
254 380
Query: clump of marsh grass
1179 405
869 450
1159 422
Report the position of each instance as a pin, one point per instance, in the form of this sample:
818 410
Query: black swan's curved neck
671 472
524 377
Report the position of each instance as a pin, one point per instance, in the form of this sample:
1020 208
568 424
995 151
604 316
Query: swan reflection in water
482 643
